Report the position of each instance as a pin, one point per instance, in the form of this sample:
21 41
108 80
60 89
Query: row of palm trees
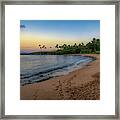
59 47
42 46
68 46
90 47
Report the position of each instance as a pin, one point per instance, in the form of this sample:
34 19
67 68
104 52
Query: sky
51 32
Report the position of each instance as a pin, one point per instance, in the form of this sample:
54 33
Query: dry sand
81 84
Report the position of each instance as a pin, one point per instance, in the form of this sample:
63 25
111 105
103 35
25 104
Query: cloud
22 26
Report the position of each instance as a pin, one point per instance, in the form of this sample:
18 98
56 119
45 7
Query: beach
81 84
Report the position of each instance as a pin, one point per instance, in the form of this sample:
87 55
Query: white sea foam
36 68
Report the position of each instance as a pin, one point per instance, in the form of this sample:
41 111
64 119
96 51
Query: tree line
90 47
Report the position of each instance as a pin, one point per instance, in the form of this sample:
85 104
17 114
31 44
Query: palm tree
75 45
94 39
64 46
68 46
82 44
39 45
57 46
60 47
79 45
43 46
94 44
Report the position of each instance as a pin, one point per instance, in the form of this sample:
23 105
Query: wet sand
81 84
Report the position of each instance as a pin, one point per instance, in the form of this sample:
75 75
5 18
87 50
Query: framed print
60 60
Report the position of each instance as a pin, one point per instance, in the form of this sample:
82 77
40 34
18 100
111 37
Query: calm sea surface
35 68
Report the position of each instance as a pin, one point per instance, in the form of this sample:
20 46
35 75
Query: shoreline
69 71
81 84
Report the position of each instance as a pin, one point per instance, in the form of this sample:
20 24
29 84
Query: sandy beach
81 84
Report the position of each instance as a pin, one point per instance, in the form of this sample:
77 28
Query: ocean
36 68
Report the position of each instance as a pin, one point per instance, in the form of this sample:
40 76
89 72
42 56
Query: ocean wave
37 73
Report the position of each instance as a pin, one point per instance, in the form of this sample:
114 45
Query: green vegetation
92 47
